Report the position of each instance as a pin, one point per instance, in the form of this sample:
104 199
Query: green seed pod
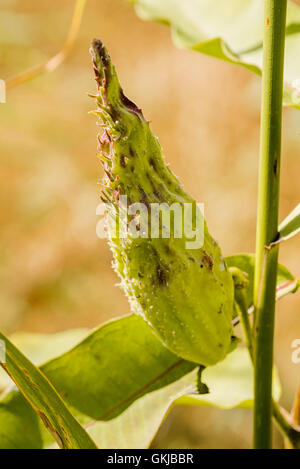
184 291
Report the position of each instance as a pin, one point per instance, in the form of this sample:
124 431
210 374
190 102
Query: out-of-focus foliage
54 272
230 30
125 408
102 376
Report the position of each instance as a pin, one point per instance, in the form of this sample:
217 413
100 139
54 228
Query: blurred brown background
54 273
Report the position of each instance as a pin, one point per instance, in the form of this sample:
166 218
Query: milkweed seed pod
181 288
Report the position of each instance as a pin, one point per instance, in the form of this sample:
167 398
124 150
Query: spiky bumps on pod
186 295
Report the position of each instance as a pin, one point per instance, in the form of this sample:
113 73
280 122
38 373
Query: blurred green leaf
110 369
230 384
231 30
21 428
123 359
286 282
290 226
44 399
133 378
137 425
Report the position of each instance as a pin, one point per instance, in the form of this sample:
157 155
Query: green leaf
21 428
230 30
121 370
290 226
44 399
230 383
101 377
286 282
137 425
127 356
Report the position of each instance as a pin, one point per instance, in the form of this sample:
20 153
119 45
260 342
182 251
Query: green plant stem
56 60
245 323
267 218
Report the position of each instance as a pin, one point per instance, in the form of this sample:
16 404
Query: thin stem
246 325
55 61
267 218
285 422
294 442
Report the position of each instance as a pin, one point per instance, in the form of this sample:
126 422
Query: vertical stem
267 218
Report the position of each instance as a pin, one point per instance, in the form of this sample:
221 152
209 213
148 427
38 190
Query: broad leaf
137 425
286 282
230 384
290 226
44 399
123 359
101 377
230 30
